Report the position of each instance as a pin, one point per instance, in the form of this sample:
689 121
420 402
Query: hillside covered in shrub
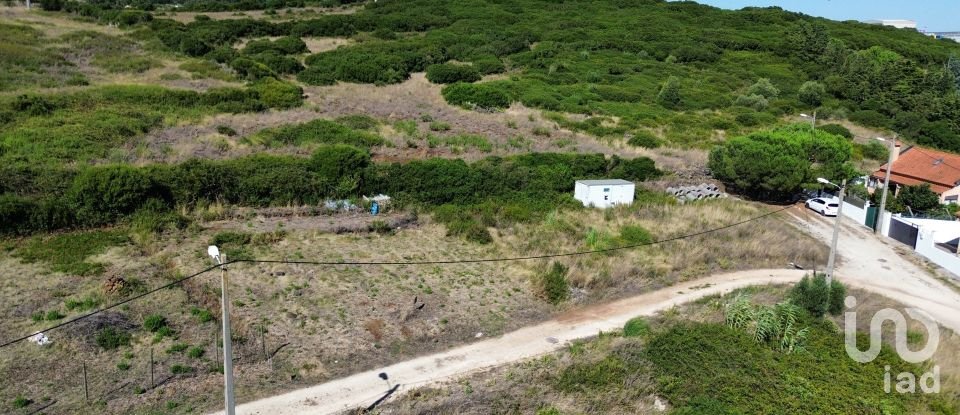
640 60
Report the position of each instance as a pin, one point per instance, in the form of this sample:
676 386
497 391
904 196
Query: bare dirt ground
868 263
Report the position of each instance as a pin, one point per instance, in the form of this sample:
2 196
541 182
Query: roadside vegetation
720 355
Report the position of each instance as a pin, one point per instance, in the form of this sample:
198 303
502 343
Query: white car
823 206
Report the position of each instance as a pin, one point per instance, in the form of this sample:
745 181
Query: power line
358 263
112 306
521 258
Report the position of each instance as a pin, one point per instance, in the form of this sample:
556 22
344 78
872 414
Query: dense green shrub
487 65
318 131
669 95
873 151
644 139
812 93
764 88
837 129
358 122
21 402
631 235
815 296
636 327
112 338
154 322
278 94
706 368
448 73
277 63
757 102
476 96
870 118
553 283
102 195
251 69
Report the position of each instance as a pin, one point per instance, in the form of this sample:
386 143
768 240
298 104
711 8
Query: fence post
152 383
263 343
86 389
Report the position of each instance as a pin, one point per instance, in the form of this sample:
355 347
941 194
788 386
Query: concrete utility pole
836 228
886 184
228 399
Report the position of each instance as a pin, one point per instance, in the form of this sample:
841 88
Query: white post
886 183
229 403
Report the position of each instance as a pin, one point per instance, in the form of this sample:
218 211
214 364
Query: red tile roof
918 165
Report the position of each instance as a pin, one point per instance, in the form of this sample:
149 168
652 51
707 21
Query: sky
930 15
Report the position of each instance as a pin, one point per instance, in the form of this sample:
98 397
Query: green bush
54 315
476 95
815 296
154 322
636 327
102 195
812 93
202 315
111 338
644 139
873 151
226 130
317 131
278 94
634 235
21 402
712 369
553 284
358 122
448 73
669 95
177 348
870 118
195 352
837 129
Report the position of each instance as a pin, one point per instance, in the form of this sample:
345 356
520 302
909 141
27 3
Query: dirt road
866 262
872 263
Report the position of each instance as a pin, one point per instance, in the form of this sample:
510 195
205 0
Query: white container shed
604 193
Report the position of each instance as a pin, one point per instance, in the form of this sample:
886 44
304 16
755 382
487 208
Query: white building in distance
604 193
897 23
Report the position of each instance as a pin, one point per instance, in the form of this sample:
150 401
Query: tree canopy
777 164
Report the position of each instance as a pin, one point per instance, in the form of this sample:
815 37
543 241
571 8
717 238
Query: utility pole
886 183
228 400
836 233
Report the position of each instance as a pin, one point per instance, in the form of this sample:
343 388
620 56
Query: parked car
824 206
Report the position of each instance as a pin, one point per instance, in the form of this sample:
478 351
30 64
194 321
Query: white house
897 23
604 193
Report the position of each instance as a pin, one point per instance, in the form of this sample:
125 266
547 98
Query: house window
605 197
606 189
951 200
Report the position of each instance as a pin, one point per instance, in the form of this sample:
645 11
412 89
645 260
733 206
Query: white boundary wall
926 246
856 213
